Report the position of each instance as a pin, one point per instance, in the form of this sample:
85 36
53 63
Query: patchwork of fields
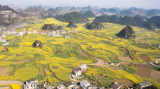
59 56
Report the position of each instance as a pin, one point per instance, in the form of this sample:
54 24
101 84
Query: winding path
100 62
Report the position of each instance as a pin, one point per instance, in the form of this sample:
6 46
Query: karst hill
94 25
126 33
75 17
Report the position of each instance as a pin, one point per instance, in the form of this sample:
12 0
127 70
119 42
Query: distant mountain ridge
9 16
32 11
7 8
127 20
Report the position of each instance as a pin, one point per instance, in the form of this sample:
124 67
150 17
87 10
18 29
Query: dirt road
100 62
14 27
8 82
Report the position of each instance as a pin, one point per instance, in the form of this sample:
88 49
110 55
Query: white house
85 84
6 44
77 72
111 63
144 84
61 87
57 32
13 32
16 34
66 37
43 33
93 87
49 87
29 32
21 33
2 40
83 67
31 84
50 34
3 35
156 61
116 85
55 35
24 31
35 32
63 32
54 32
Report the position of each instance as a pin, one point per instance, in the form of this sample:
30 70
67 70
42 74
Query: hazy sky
148 4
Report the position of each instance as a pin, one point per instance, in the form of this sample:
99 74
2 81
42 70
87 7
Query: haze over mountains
132 16
147 4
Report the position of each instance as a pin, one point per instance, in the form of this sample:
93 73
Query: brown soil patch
122 58
128 64
125 64
155 75
133 52
145 58
81 52
42 31
144 70
125 82
100 62
4 71
115 68
58 51
17 62
55 67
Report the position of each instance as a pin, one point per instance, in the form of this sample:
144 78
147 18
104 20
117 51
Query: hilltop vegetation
94 26
58 57
75 17
52 11
51 27
89 14
127 32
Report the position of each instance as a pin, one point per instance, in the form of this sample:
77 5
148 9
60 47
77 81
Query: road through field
8 82
100 62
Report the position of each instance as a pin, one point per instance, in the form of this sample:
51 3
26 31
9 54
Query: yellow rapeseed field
60 55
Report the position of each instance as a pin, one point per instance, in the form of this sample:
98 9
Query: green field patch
131 69
58 45
26 73
61 73
106 82
62 55
5 63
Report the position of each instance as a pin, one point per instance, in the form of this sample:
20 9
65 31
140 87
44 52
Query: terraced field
59 56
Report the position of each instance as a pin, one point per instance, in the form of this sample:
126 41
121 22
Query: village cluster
14 33
76 84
